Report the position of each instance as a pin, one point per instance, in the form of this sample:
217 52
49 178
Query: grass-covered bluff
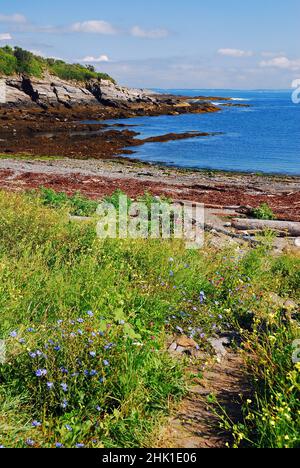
19 61
85 322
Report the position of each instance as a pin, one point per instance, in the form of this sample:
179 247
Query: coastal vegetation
19 61
85 323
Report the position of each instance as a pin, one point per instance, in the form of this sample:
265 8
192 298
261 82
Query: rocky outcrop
52 92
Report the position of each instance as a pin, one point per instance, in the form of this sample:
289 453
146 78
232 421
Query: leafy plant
263 212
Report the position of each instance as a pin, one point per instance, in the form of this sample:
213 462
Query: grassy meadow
85 322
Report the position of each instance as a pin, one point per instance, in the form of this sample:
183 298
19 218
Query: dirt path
196 424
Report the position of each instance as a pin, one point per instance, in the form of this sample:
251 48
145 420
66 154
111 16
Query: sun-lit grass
91 317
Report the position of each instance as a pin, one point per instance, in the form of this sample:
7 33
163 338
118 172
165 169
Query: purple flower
64 404
64 370
80 332
57 348
98 409
30 330
171 273
58 445
32 355
64 387
36 424
30 442
50 385
41 372
80 446
80 320
22 341
90 313
69 428
93 373
13 334
106 363
93 354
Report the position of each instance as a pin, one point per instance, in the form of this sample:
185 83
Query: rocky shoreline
48 118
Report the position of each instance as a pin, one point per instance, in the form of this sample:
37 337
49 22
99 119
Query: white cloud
5 37
91 59
137 31
15 18
271 54
235 53
94 27
282 62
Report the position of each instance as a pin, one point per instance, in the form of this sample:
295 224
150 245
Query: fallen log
291 228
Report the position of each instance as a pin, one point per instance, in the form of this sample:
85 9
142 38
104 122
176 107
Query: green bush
18 60
263 212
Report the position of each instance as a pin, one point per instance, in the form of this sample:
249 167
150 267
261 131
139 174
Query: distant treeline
17 60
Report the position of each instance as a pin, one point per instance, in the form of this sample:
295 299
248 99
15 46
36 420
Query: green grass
263 212
54 272
17 60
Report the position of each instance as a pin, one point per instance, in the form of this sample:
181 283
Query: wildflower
36 424
30 330
64 370
179 329
122 322
93 373
57 348
30 442
13 334
171 260
2 447
64 404
32 355
93 354
90 313
51 342
69 428
50 385
22 341
80 446
64 387
86 373
39 353
58 445
41 373
106 363
98 409
75 374
80 320
60 322
80 332
171 273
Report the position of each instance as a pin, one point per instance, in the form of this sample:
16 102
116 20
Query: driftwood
290 228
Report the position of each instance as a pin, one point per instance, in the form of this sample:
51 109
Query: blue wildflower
64 387
64 370
58 445
93 354
93 373
80 446
80 320
64 404
57 348
69 428
30 442
50 385
32 355
30 330
106 363
90 313
36 424
41 372
13 334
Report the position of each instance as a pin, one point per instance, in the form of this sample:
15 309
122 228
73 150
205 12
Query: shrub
263 212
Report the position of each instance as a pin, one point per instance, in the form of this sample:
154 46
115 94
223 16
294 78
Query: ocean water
262 138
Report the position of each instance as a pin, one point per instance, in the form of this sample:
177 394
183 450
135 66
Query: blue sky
168 43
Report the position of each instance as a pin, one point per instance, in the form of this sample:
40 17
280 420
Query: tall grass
85 323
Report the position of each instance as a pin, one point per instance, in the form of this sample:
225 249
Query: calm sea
262 138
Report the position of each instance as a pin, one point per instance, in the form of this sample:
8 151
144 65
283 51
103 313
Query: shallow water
263 138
